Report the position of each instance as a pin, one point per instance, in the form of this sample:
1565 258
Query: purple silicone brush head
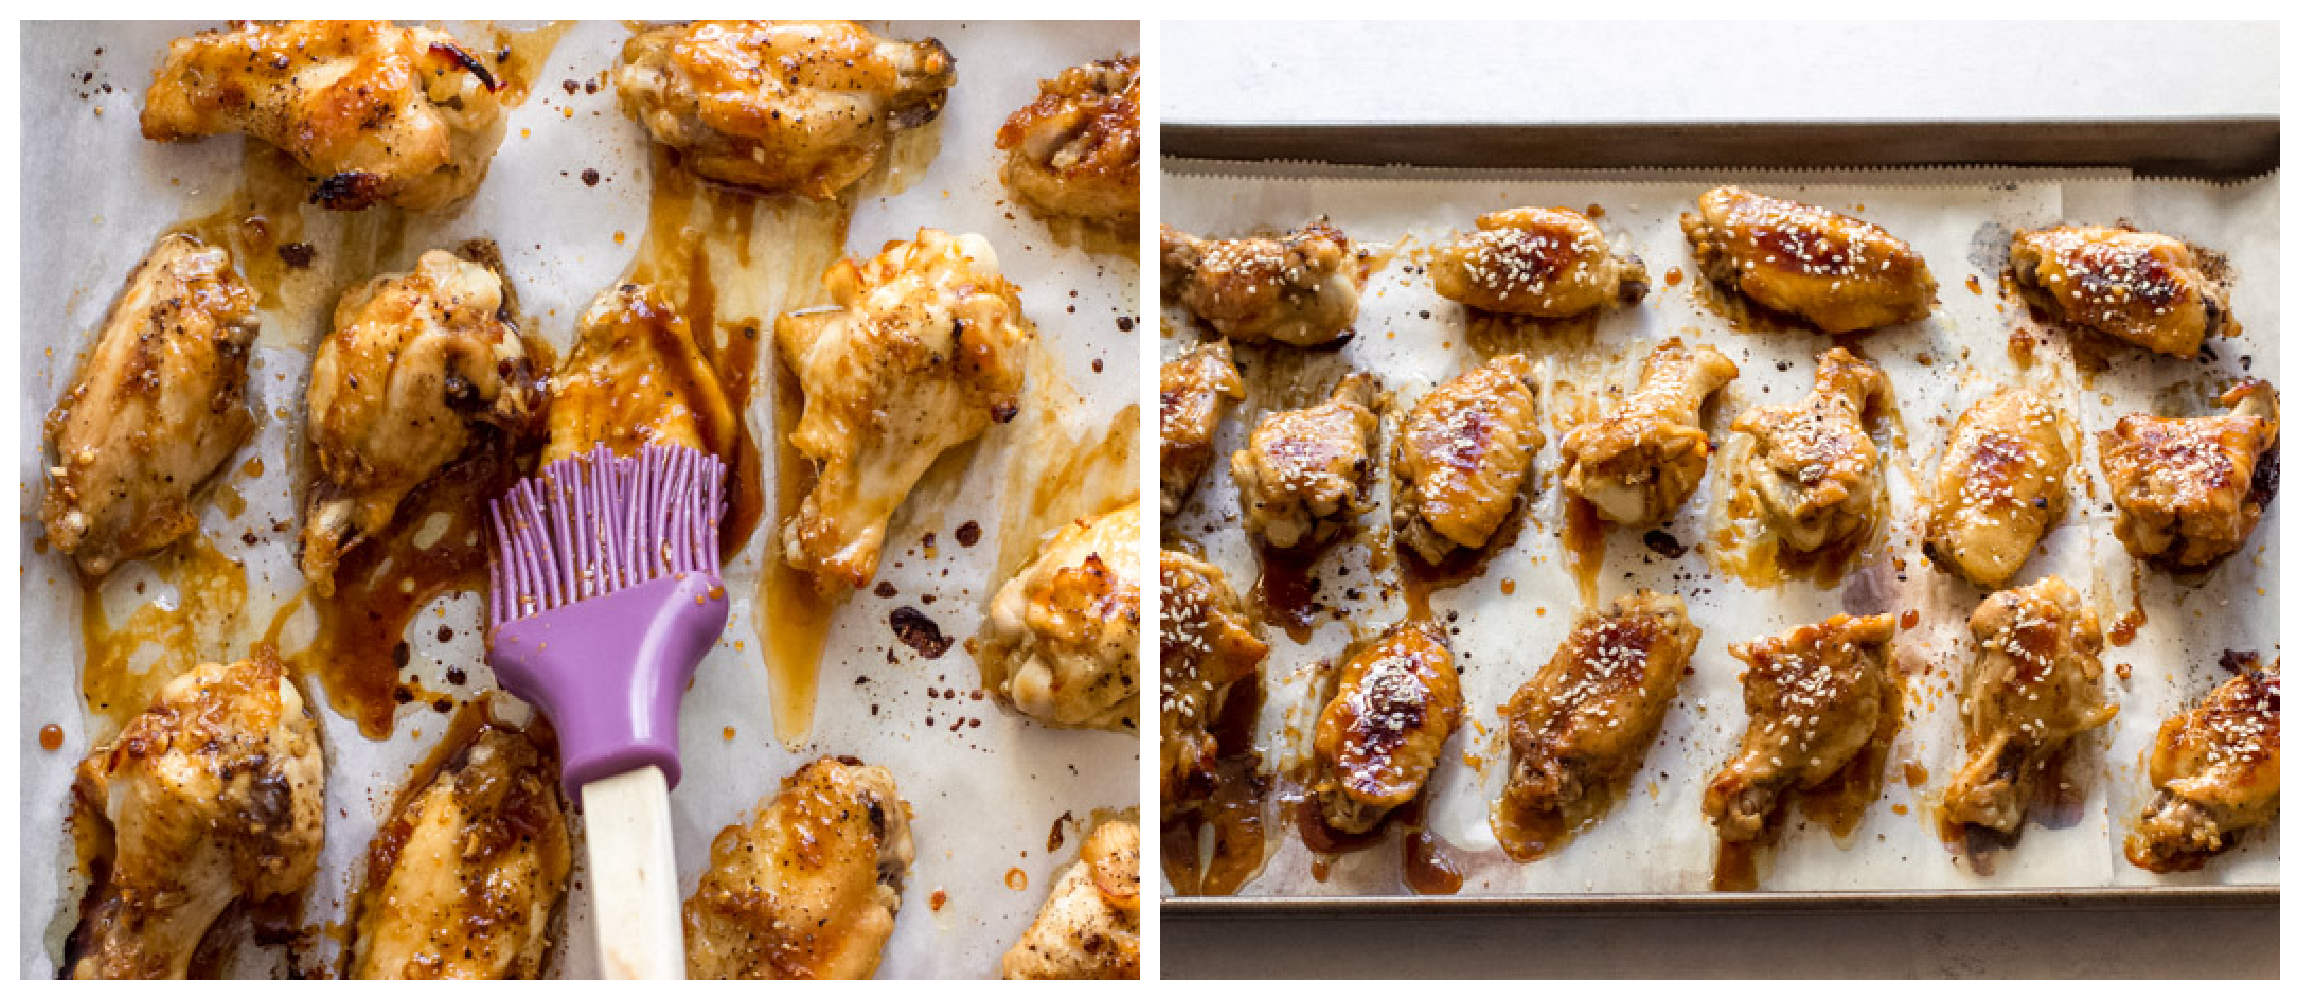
604 595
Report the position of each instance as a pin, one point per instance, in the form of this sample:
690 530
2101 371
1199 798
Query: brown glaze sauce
518 58
1584 543
1234 814
1285 593
126 664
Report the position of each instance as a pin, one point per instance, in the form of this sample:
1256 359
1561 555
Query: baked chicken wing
1546 262
2145 288
1834 271
2003 485
1644 455
1091 926
2188 490
1059 643
2215 771
1462 456
1377 741
2034 686
1193 390
1816 474
1815 696
1299 289
635 377
1077 150
1304 475
1206 646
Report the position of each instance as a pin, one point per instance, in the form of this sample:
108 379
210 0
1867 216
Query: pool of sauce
126 663
1285 593
1584 543
1233 816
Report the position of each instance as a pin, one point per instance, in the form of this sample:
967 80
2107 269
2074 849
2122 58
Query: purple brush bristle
617 522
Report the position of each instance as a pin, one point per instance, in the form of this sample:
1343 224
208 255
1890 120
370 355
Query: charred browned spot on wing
349 191
469 63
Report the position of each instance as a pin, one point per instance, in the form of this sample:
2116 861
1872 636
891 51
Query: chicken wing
1077 150
808 888
1642 457
381 114
636 377
1547 262
1304 475
1193 390
2034 686
1462 456
926 348
1377 741
1059 643
2003 485
1834 271
1299 289
465 878
2189 490
2145 288
2215 772
1206 645
1091 926
156 408
1814 696
417 361
213 794
799 106
1814 470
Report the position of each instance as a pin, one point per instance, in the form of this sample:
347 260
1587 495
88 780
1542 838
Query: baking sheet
1655 840
984 797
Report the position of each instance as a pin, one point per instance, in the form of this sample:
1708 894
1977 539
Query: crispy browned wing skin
2215 768
1299 289
2034 686
1377 741
2003 485
1091 926
1644 455
1206 645
2188 490
1077 150
636 377
2145 288
1834 271
1061 637
1193 390
1814 696
1816 473
1547 262
1305 474
1462 457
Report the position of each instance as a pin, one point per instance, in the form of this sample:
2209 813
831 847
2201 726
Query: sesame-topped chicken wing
156 408
1815 696
1193 390
1462 456
415 364
924 351
379 113
808 887
1206 646
2215 768
2034 686
797 106
213 794
2145 288
2188 490
1377 741
1547 262
1304 475
2003 485
1091 926
1816 474
1644 455
1834 271
1059 641
1077 150
1299 289
470 871
635 377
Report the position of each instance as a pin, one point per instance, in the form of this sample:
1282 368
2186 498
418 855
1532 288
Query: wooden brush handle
634 876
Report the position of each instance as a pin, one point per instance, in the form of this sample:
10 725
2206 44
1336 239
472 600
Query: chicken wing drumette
1077 150
378 112
925 350
2188 490
1815 696
1377 741
1091 926
1644 455
1206 646
2034 686
1462 456
808 887
635 377
1193 390
1059 641
1299 289
1546 262
213 794
1814 470
799 106
1304 475
1834 271
2145 288
2003 485
156 408
2215 769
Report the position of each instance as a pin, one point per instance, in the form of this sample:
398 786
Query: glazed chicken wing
1077 150
2145 288
925 349
1834 271
635 377
381 114
808 888
464 880
1462 457
156 408
1193 390
1299 289
1644 455
213 794
1059 642
416 363
1816 474
1206 645
1377 741
2215 772
799 106
1091 926
2034 686
2189 490
1304 475
1815 696
2003 485
1547 262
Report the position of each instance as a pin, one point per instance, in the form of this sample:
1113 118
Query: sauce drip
127 663
518 58
1285 594
51 737
1584 542
1233 812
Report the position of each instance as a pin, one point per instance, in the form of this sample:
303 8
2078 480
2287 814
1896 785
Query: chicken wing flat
1834 271
1077 150
808 888
1546 262
1193 390
1060 640
1206 646
2145 288
213 794
1816 474
1377 741
926 348
470 871
2003 485
1299 289
1091 926
1304 475
381 114
2215 772
2034 686
635 377
416 362
798 106
1462 456
1814 696
2188 490
156 408
1643 456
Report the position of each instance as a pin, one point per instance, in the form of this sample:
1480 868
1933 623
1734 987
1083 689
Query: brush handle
634 876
